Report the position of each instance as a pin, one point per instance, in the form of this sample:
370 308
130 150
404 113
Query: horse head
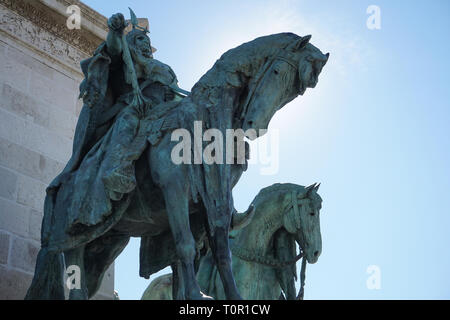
301 219
281 79
291 207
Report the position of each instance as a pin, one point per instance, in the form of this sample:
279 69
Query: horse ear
302 42
317 186
310 188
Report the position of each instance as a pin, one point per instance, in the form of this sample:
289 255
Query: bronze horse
169 205
264 251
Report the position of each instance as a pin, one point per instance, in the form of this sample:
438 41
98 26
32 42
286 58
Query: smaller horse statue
264 251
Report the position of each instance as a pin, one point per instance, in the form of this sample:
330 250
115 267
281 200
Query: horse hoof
205 297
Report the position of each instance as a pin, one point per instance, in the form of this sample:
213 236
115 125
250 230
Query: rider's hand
141 106
117 22
142 110
169 95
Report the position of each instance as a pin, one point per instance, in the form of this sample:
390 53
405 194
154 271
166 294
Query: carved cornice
87 13
55 23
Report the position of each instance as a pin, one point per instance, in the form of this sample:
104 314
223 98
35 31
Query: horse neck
258 234
247 59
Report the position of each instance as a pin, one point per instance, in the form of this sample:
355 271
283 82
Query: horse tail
48 277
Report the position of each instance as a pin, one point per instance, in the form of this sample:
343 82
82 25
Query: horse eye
275 71
312 214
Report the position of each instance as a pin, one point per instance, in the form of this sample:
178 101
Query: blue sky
375 132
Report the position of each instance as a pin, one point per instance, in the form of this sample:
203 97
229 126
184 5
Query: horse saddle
162 117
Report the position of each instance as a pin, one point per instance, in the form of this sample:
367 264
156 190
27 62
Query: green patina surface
264 252
121 180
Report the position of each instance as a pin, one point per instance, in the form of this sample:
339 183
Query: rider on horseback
122 84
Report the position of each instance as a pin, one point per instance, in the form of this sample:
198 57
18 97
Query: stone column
39 79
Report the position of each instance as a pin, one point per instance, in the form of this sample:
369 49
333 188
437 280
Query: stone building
39 79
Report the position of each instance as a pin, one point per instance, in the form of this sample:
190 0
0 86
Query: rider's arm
116 26
171 81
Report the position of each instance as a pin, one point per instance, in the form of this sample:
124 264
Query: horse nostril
316 253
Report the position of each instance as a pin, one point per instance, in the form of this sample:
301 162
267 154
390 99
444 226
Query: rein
266 261
249 256
260 76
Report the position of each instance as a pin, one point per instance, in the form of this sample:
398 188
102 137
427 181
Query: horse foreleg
178 215
178 289
222 257
172 180
77 276
99 255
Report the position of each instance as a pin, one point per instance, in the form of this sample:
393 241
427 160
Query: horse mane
245 59
262 222
216 98
264 46
269 192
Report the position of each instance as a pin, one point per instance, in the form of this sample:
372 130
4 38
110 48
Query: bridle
260 76
246 255
261 259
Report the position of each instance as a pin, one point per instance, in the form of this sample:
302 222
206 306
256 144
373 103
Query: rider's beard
142 58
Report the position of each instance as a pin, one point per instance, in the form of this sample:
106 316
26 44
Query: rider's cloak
93 90
94 189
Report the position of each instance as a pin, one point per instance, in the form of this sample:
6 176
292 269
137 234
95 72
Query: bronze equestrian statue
121 180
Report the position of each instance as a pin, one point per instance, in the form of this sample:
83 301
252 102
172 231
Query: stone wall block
14 217
24 254
13 283
8 184
4 247
30 192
